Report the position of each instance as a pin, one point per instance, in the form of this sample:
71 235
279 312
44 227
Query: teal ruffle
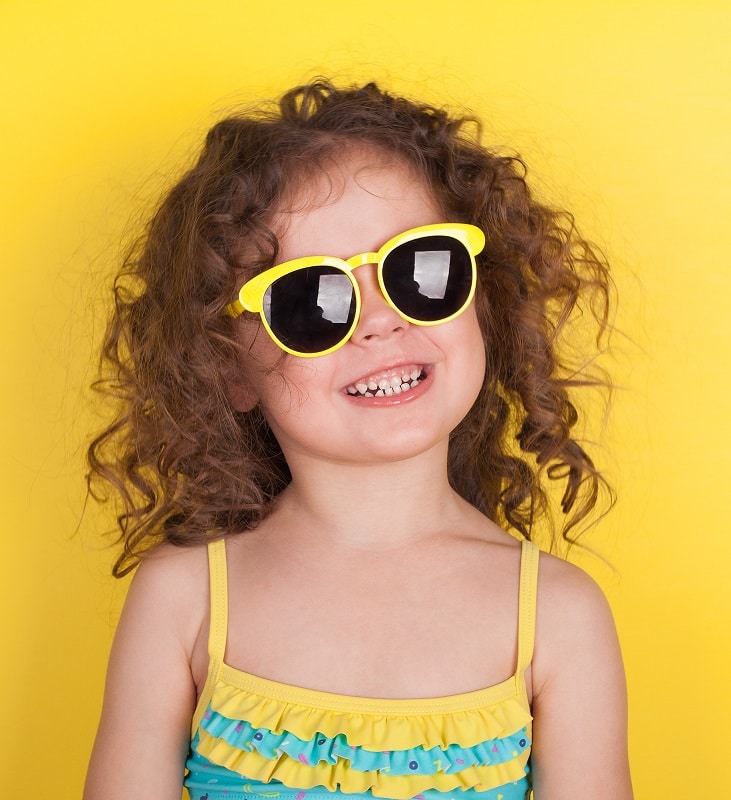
240 735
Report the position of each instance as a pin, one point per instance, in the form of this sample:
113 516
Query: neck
369 507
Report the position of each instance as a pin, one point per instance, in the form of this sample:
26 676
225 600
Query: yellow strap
218 623
218 582
527 604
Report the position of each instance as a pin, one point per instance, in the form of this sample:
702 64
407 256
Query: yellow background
623 109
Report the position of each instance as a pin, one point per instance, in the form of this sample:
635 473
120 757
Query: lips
388 382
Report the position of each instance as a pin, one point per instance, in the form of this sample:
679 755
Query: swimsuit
254 738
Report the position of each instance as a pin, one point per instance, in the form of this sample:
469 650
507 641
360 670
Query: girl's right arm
579 692
143 736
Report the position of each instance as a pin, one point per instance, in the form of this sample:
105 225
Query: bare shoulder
166 607
573 616
568 574
173 573
565 579
169 564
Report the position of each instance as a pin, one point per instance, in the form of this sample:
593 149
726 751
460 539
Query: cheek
472 340
286 387
477 379
474 359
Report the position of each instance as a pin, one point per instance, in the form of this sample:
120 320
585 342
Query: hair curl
187 466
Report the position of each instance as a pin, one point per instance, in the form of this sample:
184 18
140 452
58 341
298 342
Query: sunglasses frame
251 294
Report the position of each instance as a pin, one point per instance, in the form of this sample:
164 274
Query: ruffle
340 776
207 781
392 724
240 735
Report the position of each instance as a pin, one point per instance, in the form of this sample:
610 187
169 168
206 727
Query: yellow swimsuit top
256 738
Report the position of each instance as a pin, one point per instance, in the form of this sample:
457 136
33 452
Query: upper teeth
380 387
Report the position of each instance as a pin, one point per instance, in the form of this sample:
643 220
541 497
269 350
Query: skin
369 552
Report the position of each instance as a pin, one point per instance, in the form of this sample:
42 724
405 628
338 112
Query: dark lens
311 309
430 278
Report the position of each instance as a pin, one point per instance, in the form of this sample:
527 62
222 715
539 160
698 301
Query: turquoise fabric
242 736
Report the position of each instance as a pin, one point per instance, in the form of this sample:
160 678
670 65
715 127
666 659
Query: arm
149 699
579 692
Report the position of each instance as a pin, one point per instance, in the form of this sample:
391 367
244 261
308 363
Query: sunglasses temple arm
236 308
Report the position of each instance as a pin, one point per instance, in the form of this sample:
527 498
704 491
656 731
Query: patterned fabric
256 738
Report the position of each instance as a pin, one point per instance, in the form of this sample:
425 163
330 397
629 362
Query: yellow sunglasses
310 306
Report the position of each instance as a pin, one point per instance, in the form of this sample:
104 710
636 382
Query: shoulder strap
219 602
527 604
217 626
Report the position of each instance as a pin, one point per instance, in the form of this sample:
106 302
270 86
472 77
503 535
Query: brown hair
187 466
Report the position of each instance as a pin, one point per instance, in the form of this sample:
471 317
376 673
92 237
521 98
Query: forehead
352 205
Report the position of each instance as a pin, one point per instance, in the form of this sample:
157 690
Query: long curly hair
187 466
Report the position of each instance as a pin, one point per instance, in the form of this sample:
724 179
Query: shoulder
165 614
168 565
564 588
574 622
170 588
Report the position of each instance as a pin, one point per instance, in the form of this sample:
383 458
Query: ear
241 394
240 388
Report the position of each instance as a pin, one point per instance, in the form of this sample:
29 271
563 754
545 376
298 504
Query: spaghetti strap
527 605
217 625
219 603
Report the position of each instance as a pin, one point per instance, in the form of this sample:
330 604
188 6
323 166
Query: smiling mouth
388 383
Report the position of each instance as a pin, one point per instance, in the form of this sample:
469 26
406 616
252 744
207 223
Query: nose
378 320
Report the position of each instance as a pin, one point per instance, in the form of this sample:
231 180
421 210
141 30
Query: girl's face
310 403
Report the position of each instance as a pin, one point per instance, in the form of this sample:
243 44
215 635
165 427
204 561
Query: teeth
385 387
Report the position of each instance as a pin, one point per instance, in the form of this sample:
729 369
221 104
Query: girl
335 350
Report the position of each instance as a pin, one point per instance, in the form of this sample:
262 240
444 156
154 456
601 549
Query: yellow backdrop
622 108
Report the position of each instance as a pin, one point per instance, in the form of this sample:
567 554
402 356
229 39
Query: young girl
336 352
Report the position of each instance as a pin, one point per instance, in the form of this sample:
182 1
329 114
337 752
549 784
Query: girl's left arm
579 692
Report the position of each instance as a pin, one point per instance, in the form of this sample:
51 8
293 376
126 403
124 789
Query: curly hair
187 466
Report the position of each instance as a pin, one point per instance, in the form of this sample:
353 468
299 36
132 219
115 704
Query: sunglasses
310 306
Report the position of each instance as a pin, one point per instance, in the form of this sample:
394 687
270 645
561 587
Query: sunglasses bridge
361 260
